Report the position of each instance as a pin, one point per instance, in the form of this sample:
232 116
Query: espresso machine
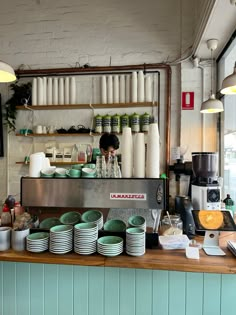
205 188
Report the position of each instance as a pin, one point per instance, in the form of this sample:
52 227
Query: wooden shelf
55 163
86 106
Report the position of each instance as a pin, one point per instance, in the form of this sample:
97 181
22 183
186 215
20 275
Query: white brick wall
50 34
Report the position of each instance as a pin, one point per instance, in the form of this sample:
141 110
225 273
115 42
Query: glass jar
172 225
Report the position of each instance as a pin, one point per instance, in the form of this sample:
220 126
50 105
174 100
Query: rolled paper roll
61 100
153 152
140 86
72 90
139 156
134 97
55 91
104 89
49 91
110 89
127 89
148 89
40 91
44 91
122 88
36 164
116 89
67 90
127 153
34 92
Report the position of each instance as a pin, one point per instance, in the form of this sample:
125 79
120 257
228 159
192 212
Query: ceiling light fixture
7 74
212 105
229 83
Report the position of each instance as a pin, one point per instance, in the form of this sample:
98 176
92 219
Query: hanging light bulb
7 73
212 105
229 83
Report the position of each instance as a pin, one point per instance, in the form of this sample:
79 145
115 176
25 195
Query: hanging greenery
21 95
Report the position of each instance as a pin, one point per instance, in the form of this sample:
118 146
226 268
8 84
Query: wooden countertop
157 259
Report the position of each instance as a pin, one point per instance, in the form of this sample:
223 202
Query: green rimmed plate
91 216
72 217
115 225
136 220
38 236
49 222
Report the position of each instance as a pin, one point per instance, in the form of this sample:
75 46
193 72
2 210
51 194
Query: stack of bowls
71 217
61 239
37 242
137 221
93 216
85 238
135 241
110 245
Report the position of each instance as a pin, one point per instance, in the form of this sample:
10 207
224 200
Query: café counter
159 282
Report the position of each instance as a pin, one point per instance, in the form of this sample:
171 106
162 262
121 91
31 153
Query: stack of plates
110 245
61 239
85 238
135 241
137 221
37 242
93 216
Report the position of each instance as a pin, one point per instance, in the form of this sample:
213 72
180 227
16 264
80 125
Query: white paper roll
55 91
153 152
44 91
140 86
61 100
40 91
148 89
127 153
67 90
34 91
36 164
72 90
139 156
122 88
49 91
104 89
127 89
116 89
134 97
109 89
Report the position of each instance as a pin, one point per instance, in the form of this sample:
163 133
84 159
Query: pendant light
212 105
7 74
229 83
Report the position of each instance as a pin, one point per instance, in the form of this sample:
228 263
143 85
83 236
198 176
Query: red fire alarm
187 100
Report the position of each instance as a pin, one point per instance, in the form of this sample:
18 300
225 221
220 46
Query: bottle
6 216
229 204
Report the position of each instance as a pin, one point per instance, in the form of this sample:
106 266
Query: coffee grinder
205 188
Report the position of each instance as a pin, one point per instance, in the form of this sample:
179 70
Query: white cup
44 129
51 129
39 129
5 238
18 239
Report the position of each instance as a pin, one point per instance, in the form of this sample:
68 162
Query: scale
211 240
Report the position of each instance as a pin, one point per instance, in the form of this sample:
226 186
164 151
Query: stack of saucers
85 238
93 216
110 245
37 242
135 241
137 221
61 239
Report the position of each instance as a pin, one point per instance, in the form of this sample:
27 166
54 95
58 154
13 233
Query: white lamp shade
212 105
7 73
229 84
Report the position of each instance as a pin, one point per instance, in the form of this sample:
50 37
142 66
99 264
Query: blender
206 190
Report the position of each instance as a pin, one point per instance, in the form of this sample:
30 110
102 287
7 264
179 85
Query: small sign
187 100
128 196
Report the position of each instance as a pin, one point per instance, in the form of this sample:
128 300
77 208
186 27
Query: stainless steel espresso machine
206 190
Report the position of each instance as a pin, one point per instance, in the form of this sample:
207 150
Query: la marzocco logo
127 196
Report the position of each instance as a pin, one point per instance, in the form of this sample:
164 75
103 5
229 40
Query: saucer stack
110 245
61 239
137 221
85 238
37 242
93 216
135 241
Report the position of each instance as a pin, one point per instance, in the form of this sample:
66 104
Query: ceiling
221 23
